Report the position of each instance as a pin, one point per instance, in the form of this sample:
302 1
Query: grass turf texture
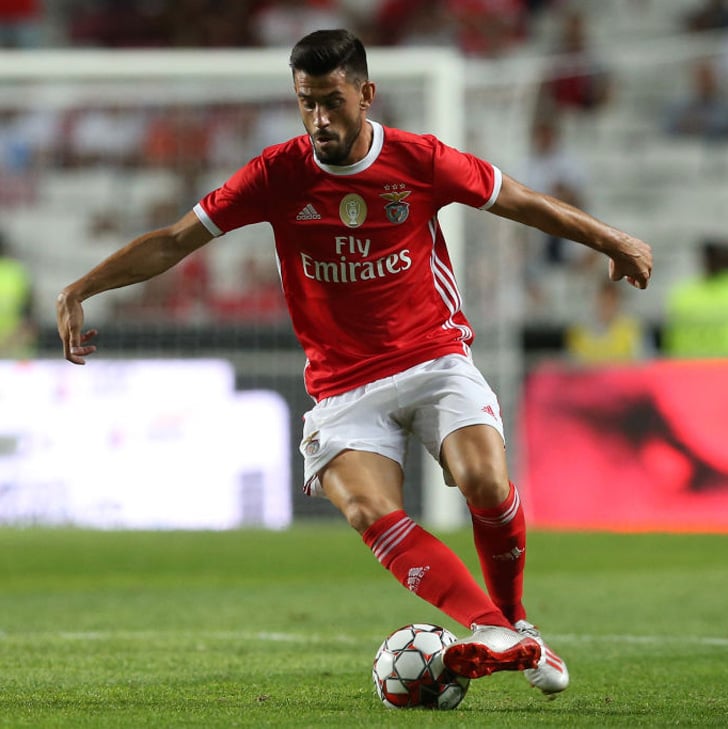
261 629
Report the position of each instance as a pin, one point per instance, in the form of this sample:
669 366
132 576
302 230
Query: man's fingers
639 281
78 348
77 354
83 351
90 334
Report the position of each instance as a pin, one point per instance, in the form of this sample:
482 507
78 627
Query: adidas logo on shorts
308 213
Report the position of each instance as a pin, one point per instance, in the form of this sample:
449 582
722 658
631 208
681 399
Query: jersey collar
362 164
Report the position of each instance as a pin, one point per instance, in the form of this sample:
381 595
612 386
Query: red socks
425 566
500 540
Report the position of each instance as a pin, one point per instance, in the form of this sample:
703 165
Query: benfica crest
396 209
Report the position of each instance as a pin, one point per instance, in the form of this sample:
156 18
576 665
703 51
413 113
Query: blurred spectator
206 23
476 27
538 6
489 28
17 324
609 334
284 22
696 320
114 24
550 168
21 23
177 138
258 297
362 18
231 133
193 293
29 137
29 141
107 136
703 110
273 122
179 296
709 15
577 79
183 294
176 23
414 23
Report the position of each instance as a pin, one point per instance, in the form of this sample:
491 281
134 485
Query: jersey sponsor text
346 270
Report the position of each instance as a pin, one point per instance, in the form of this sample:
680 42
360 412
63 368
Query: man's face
333 110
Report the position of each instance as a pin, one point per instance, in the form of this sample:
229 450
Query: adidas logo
415 577
512 555
308 213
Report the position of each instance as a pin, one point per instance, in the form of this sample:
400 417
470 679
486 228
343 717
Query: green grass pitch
265 629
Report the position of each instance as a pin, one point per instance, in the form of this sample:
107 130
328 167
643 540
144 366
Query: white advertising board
141 444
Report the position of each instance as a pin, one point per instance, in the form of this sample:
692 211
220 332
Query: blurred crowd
181 137
191 140
483 28
577 80
478 27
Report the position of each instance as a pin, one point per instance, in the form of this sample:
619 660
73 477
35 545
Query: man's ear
368 92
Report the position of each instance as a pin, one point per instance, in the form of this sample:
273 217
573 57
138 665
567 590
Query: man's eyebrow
330 95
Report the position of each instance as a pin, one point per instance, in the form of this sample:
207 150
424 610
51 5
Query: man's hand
633 262
69 318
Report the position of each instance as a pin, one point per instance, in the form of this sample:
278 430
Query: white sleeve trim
205 219
497 183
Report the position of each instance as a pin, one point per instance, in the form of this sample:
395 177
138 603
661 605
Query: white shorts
430 400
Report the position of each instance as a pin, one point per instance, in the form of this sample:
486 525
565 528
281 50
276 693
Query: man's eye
329 104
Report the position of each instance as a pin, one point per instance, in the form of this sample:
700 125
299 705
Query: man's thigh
363 485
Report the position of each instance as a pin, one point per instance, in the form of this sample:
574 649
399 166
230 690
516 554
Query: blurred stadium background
116 117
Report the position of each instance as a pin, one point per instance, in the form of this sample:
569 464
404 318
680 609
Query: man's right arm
145 257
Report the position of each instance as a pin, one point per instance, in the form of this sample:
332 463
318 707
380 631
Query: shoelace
525 628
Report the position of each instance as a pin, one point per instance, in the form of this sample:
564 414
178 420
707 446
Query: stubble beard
340 152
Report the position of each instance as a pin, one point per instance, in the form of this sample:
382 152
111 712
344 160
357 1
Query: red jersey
363 262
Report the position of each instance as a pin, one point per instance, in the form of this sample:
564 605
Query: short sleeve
464 178
240 201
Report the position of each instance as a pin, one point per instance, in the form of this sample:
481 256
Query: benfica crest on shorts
396 209
311 445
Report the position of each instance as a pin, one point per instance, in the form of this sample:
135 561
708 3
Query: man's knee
361 513
482 484
475 457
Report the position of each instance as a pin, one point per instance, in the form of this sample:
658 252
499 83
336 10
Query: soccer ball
408 669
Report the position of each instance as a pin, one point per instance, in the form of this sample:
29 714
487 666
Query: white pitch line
638 639
146 635
292 637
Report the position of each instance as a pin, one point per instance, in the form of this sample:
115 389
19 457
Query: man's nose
320 117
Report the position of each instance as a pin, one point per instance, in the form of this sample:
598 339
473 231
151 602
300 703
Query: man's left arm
629 257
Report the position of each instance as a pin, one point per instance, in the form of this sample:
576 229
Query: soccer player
373 301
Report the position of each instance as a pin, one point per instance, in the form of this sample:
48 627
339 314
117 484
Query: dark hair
323 51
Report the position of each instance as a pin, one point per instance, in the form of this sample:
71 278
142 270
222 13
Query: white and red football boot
550 674
489 649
